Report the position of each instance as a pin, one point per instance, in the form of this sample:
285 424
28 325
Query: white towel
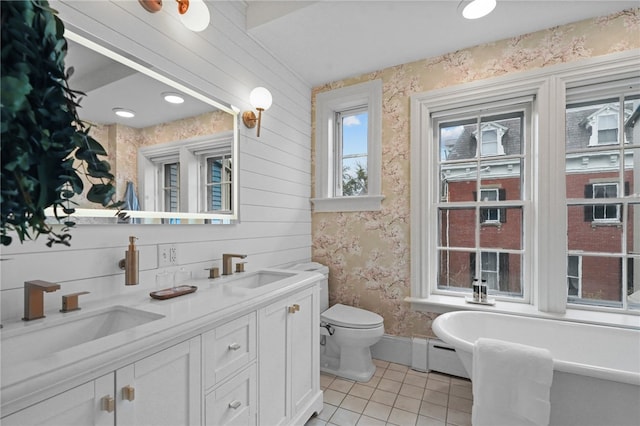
511 384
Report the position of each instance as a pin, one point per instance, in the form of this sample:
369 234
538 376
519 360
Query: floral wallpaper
122 143
368 253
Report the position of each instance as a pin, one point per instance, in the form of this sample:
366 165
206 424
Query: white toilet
346 334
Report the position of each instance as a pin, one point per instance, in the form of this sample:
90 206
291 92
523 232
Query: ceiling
329 40
109 84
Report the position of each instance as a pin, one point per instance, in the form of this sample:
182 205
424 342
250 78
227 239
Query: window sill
605 223
348 204
441 304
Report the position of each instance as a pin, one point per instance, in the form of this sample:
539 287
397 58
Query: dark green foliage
354 185
41 131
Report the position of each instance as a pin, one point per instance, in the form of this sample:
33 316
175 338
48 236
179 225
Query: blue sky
355 134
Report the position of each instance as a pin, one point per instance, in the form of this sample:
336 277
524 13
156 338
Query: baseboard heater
442 357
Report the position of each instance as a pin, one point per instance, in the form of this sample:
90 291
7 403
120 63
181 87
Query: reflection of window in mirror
192 176
217 183
171 187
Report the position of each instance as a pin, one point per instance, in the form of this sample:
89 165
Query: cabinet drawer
228 348
234 402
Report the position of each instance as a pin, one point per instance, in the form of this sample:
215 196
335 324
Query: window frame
367 95
548 270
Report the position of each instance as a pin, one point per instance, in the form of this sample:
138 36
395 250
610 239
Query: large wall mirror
175 160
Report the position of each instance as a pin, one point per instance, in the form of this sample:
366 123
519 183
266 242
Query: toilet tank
324 285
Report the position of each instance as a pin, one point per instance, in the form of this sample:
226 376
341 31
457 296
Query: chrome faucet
34 298
227 263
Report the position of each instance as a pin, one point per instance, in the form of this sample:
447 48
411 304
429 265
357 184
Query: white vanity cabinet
288 368
84 405
256 366
162 389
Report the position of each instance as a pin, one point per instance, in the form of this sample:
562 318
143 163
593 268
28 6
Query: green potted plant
46 148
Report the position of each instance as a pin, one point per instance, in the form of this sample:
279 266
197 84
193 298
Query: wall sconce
196 20
475 9
260 98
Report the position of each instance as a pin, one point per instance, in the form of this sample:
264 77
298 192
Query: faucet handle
70 301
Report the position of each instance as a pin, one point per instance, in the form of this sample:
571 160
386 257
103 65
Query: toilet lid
348 316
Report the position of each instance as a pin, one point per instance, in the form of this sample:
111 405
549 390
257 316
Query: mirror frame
102 216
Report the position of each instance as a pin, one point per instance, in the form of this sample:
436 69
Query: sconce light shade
475 9
261 99
194 14
197 16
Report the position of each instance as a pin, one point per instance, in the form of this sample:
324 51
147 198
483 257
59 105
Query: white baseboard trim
393 349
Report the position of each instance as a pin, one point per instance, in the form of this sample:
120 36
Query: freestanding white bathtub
596 377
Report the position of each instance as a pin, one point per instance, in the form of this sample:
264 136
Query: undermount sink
252 280
39 340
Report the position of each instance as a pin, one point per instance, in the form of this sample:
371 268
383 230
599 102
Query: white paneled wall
275 169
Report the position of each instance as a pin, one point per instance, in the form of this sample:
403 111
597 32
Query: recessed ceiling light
125 113
173 98
476 8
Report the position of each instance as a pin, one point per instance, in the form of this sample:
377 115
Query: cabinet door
305 349
288 365
80 406
272 364
163 389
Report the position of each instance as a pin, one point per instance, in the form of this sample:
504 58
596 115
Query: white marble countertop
184 317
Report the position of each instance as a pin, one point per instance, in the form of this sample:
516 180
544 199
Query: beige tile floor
396 395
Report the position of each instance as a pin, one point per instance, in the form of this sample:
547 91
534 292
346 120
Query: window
467 223
217 180
602 212
478 211
607 128
604 239
351 152
348 148
491 135
574 276
194 176
493 269
171 187
492 216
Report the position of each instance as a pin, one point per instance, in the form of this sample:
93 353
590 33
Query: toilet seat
350 317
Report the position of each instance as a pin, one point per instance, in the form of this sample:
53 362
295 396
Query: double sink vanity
242 349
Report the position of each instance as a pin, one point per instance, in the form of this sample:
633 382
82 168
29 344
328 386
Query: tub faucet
227 263
34 298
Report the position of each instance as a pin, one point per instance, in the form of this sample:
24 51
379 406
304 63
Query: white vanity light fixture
172 98
474 9
124 113
198 17
261 99
194 14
